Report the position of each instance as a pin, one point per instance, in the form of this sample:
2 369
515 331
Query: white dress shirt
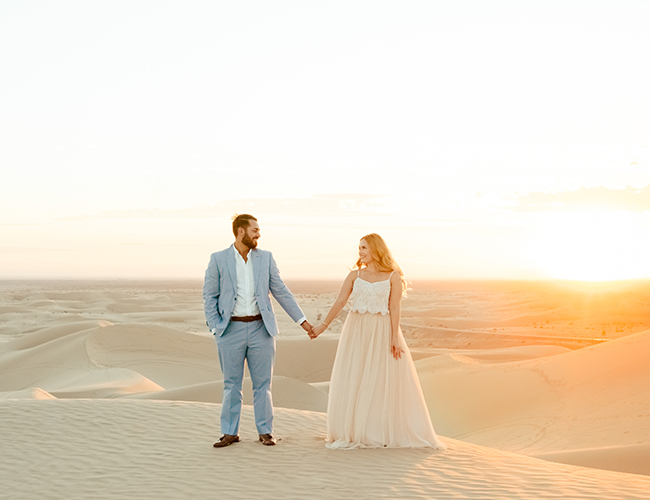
245 305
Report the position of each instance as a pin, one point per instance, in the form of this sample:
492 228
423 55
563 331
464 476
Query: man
236 297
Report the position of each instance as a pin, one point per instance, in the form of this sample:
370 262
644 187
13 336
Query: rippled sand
112 390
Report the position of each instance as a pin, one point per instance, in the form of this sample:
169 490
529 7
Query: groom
236 297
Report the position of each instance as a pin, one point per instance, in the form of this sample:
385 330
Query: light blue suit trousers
250 342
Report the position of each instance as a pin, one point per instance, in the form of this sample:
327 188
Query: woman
375 399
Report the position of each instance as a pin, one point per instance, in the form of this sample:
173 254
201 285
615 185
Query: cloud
628 199
317 206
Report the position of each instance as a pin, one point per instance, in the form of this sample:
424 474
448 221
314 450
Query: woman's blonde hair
382 256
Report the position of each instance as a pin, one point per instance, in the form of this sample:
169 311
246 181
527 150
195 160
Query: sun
593 246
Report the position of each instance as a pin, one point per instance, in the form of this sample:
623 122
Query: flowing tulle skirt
375 401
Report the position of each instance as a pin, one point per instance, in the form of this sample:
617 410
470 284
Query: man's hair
242 220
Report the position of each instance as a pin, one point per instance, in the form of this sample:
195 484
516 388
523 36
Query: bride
375 399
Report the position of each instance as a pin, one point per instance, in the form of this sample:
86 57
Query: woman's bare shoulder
352 275
396 281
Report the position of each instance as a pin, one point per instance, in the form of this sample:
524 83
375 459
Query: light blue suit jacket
220 290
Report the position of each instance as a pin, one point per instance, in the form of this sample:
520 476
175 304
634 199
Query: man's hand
306 325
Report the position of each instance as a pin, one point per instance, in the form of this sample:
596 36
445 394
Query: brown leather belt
246 319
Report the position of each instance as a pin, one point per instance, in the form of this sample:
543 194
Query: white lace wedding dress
375 400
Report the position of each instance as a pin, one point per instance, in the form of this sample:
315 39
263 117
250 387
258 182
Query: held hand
318 330
396 349
306 325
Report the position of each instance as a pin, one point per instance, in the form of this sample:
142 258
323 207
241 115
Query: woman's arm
339 304
395 310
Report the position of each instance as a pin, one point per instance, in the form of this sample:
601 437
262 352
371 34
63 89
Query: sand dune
287 393
627 458
113 393
27 394
498 355
594 398
162 449
84 360
106 361
306 360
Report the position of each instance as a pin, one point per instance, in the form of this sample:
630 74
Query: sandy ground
112 390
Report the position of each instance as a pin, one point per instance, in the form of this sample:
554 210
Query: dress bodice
367 297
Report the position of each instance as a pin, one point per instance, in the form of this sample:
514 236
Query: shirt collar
238 255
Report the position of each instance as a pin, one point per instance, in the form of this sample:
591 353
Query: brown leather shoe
226 440
267 440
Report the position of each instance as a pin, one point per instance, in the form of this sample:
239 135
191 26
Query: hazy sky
502 139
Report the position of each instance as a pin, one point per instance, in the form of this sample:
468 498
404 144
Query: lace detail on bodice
369 297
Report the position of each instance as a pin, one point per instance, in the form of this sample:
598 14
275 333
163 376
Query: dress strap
391 275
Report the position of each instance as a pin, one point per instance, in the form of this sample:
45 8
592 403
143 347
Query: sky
500 139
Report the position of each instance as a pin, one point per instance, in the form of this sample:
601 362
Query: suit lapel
231 266
257 266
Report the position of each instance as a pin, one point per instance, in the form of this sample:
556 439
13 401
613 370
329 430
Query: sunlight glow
593 246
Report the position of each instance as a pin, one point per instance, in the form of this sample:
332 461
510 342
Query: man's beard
249 242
